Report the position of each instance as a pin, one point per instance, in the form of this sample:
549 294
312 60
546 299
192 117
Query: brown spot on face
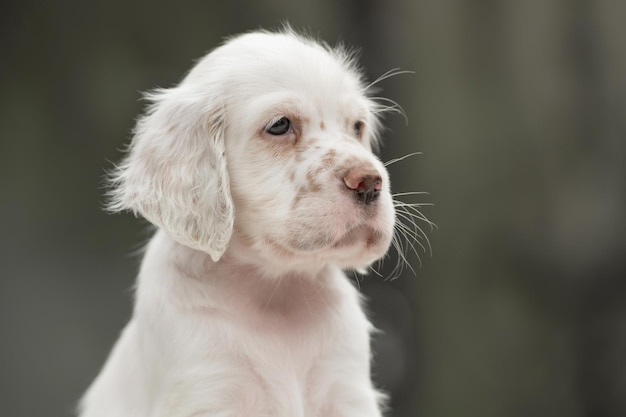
297 198
322 125
292 176
312 182
304 121
318 171
300 149
303 146
316 187
329 158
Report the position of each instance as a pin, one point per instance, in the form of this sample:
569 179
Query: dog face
264 149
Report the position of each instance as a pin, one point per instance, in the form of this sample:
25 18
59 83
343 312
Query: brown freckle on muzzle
313 183
297 198
329 158
298 152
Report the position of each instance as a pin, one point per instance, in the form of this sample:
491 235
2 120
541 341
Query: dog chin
361 236
360 246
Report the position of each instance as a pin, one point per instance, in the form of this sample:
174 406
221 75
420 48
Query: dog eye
279 127
358 128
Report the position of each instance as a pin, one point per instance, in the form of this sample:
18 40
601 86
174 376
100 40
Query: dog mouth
364 235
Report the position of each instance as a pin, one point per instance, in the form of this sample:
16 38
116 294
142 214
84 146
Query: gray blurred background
519 108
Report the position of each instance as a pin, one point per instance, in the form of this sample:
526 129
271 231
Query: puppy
258 171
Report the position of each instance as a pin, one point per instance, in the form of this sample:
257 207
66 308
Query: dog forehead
269 61
279 48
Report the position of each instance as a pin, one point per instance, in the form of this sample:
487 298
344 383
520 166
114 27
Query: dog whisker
372 269
393 161
388 74
411 193
402 260
394 107
412 210
408 234
419 232
411 232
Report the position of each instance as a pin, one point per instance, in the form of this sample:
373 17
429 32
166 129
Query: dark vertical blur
518 107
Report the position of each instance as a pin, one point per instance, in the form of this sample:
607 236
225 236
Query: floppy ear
175 172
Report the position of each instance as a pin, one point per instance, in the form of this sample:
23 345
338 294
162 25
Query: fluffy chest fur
281 349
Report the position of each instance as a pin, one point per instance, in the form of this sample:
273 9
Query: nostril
367 184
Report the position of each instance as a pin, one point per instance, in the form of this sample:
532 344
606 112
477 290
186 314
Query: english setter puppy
259 173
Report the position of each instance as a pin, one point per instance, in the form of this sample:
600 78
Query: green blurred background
519 108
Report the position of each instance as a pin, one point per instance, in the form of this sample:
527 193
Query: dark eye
279 127
358 128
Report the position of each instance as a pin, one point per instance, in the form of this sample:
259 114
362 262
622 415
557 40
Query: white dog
259 173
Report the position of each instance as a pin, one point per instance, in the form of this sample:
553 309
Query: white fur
242 308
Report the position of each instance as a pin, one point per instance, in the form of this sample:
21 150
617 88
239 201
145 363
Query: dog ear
175 172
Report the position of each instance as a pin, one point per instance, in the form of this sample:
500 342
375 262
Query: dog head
265 148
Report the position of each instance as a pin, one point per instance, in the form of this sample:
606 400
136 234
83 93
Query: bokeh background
519 108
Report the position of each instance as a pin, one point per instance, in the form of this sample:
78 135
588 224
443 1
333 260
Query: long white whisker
411 204
356 277
393 161
374 271
394 107
417 228
411 210
406 261
388 74
402 260
410 193
414 232
410 233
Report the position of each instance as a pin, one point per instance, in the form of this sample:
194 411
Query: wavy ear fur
175 172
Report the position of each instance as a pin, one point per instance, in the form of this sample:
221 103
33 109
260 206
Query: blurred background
519 109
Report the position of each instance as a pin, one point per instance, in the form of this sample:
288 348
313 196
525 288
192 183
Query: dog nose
365 182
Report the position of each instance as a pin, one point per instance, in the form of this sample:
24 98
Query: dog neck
231 288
